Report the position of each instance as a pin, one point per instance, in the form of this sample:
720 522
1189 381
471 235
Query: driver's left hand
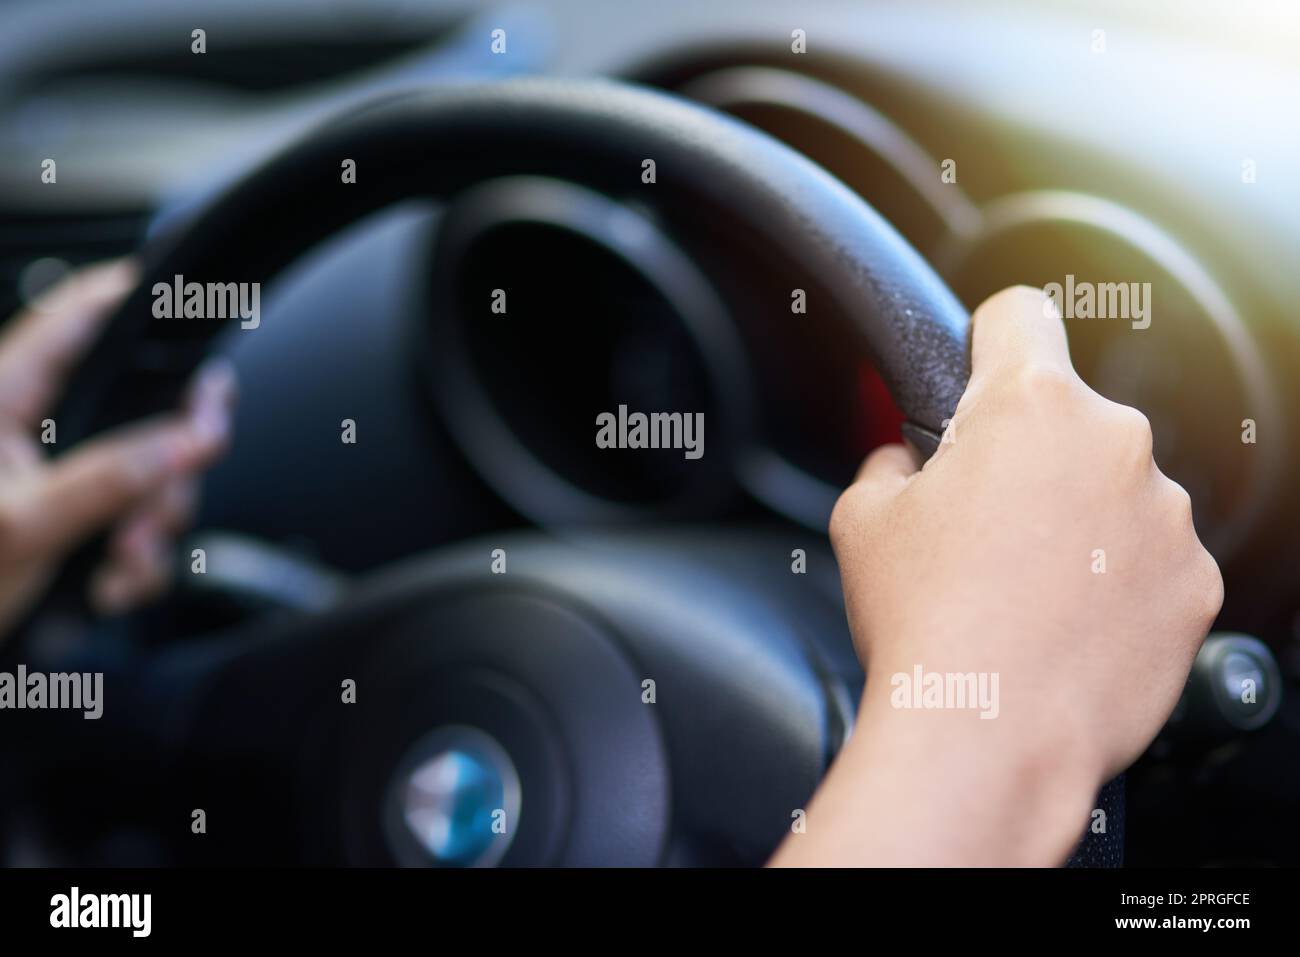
139 481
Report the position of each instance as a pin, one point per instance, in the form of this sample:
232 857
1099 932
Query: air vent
252 45
26 243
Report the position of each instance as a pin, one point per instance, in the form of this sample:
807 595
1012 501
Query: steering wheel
531 686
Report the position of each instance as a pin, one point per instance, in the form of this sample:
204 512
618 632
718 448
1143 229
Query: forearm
940 789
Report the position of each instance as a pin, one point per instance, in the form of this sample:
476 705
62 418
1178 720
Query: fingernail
215 378
211 423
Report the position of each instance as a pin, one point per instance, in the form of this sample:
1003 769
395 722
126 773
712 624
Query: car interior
778 214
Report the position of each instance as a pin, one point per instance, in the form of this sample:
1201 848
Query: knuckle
1212 588
1041 382
845 516
1180 501
1133 429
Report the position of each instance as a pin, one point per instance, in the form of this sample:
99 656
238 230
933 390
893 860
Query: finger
211 397
1016 328
132 554
888 464
133 576
18 455
101 480
882 476
157 518
44 342
138 567
167 511
162 513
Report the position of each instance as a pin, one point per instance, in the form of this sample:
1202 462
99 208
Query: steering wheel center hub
455 797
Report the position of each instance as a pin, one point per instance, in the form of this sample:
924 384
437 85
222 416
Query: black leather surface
1104 848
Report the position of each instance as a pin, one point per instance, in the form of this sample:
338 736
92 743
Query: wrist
945 789
964 791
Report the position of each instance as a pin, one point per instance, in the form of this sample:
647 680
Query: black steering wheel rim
434 143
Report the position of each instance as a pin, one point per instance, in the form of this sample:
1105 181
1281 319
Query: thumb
887 465
882 476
